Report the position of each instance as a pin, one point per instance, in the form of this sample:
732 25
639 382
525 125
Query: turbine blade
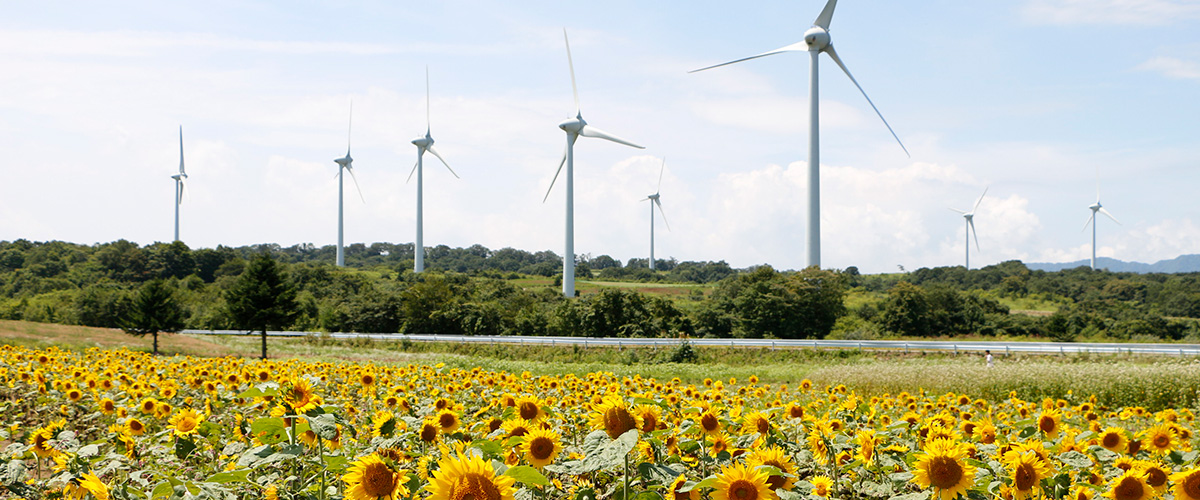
957 210
182 190
355 179
833 54
350 128
435 153
664 214
181 150
1097 183
414 171
1110 216
826 15
561 162
660 174
795 47
590 131
980 200
1089 222
571 65
427 125
971 222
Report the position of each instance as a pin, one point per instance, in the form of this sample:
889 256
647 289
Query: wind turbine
654 200
180 183
424 143
1097 207
970 218
344 164
574 127
816 41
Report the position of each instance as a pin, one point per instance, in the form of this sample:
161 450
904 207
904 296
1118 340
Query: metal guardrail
894 345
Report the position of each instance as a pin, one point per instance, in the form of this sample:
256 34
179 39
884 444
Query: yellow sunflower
756 422
370 478
1187 485
186 422
516 427
148 406
1028 470
867 441
693 494
985 431
1130 486
778 458
92 484
613 416
1050 423
1156 476
447 421
40 440
710 423
429 431
541 447
650 416
819 448
529 407
461 476
384 423
941 465
1113 439
1160 439
739 482
298 393
1082 493
821 486
720 442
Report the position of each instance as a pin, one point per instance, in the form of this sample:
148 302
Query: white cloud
1110 12
1172 67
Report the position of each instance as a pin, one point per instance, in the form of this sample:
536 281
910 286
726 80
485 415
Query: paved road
896 345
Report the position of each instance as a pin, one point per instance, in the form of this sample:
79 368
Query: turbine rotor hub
423 141
1095 206
573 125
817 38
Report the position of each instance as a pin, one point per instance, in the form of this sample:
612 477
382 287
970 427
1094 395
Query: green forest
479 291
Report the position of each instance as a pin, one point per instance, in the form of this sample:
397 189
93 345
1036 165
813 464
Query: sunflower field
118 424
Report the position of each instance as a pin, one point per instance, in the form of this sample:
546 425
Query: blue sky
1026 97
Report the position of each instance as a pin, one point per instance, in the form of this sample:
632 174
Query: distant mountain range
1181 264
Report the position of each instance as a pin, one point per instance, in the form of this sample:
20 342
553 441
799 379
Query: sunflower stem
626 476
321 455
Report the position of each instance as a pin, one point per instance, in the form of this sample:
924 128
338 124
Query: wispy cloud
1110 12
1172 67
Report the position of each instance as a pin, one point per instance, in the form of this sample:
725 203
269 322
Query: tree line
478 291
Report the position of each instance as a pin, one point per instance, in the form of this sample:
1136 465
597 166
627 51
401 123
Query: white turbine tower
816 41
1097 207
423 144
180 183
344 164
970 218
654 200
574 127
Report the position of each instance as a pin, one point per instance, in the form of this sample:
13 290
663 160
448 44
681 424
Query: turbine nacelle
573 125
817 38
423 142
653 197
179 177
1095 206
344 162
